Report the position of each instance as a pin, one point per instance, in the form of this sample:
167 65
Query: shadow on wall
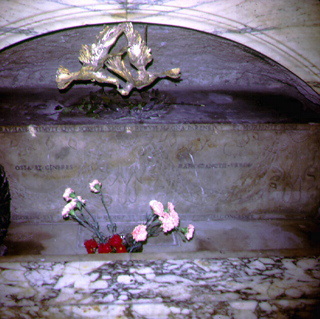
4 209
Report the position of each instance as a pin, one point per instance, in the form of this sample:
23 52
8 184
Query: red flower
104 248
115 241
91 246
121 249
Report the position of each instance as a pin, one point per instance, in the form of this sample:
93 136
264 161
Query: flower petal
95 186
157 207
140 233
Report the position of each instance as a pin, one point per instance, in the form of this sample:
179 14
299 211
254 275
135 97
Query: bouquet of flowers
157 221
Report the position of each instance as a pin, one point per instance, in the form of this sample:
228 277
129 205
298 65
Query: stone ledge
251 287
220 236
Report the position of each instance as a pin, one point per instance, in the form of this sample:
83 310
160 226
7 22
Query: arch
290 42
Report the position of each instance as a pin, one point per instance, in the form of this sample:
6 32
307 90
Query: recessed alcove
222 81
239 137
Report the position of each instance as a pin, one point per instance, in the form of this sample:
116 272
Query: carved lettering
58 167
214 165
152 128
41 168
13 129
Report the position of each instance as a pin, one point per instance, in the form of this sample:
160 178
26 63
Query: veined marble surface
268 287
287 31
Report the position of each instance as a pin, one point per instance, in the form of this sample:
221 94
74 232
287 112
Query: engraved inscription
152 128
214 165
48 167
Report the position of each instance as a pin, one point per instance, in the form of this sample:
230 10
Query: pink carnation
95 186
68 208
170 207
157 207
140 233
190 232
80 199
173 214
167 223
69 191
169 220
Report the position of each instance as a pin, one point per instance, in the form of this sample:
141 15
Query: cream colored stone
257 264
11 275
151 311
265 306
99 284
244 305
181 292
125 279
274 292
175 310
145 271
307 263
294 293
100 311
261 288
267 260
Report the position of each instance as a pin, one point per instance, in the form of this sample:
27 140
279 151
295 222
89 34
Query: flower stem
113 225
152 219
179 231
84 223
92 217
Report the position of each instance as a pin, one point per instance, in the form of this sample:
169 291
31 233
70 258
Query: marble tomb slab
209 171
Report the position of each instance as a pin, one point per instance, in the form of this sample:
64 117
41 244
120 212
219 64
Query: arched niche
285 32
235 83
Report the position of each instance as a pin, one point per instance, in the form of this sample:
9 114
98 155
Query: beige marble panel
284 30
208 171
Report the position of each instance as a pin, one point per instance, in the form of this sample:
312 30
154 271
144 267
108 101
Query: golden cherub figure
97 60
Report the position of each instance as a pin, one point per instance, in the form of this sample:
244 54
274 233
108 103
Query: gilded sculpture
99 64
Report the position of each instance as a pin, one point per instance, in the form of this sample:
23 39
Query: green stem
154 231
86 224
182 236
92 217
93 226
152 219
113 225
